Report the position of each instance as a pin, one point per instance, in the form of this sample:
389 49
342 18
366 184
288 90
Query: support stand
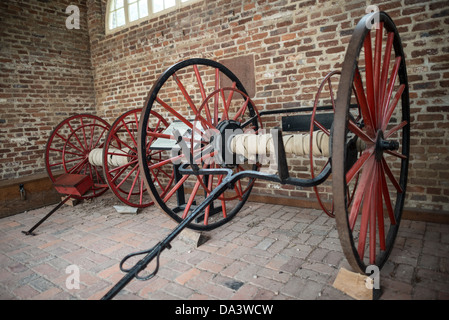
356 285
70 185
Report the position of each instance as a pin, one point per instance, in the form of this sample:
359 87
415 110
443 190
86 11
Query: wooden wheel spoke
191 198
185 94
100 178
391 176
377 66
228 102
373 206
396 128
360 192
141 191
385 67
123 166
71 144
127 176
164 162
76 136
367 213
322 128
392 107
203 93
386 195
209 188
396 154
77 168
225 107
129 133
358 165
363 103
369 78
242 110
359 132
136 178
93 146
217 97
174 112
391 82
175 188
84 134
117 175
380 208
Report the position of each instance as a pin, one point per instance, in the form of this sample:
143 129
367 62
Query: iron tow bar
165 244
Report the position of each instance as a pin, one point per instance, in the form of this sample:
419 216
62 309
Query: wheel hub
383 145
227 130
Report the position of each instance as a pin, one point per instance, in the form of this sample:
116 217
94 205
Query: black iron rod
143 263
30 232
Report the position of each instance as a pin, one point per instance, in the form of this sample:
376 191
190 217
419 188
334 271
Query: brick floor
267 252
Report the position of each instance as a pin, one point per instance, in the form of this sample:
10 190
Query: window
116 14
122 13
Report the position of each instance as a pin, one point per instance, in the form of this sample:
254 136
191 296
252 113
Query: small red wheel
374 77
120 163
69 146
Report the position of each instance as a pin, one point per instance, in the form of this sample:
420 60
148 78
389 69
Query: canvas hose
116 157
251 145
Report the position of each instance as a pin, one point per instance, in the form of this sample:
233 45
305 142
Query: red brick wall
45 76
294 43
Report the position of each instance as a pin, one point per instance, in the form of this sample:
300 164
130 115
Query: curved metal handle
142 264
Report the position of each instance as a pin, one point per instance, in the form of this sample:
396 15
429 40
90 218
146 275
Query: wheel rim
123 173
315 123
179 95
328 207
68 150
374 76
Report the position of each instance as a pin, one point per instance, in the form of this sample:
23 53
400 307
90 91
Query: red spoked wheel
374 76
120 163
69 146
188 90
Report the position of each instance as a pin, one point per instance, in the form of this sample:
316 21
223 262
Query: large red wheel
120 163
193 89
69 146
374 76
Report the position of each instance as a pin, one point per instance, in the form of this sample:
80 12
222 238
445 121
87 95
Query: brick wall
294 43
46 70
45 76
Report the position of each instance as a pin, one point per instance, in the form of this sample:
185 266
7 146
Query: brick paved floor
266 252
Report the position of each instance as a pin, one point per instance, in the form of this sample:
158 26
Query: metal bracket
22 192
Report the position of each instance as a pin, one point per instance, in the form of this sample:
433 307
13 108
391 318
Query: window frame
179 4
